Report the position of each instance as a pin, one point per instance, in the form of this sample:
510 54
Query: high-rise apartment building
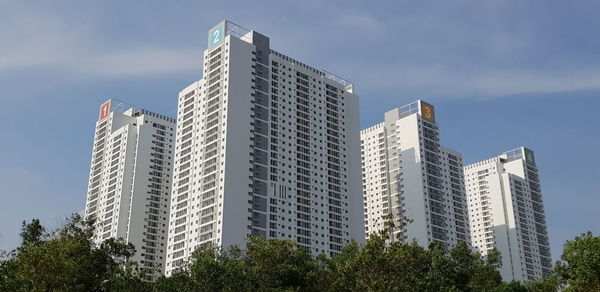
406 172
507 213
130 179
266 146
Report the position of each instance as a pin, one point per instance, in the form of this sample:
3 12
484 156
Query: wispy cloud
34 40
137 62
433 54
359 23
128 62
441 81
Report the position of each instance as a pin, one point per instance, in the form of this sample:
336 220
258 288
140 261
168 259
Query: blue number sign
216 36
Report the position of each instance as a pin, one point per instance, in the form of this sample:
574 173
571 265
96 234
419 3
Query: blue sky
501 74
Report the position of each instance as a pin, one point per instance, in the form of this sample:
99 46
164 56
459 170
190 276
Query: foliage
580 263
266 265
68 260
32 233
549 283
512 286
383 266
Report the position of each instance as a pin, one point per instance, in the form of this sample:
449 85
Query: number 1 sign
104 110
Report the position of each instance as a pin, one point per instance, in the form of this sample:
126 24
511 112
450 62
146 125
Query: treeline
67 260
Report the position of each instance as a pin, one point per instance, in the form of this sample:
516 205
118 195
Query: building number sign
427 112
216 36
104 110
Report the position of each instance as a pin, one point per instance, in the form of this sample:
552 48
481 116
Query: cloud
483 55
440 80
137 61
358 23
129 62
34 40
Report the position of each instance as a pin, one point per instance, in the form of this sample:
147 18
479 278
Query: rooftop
123 107
243 33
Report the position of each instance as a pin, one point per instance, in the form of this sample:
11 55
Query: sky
501 74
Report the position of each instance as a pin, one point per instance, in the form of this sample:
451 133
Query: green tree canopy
68 260
32 233
580 263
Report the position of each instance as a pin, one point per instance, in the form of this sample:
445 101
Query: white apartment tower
507 213
406 172
130 179
266 146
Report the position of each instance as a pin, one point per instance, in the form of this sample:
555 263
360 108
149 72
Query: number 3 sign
427 111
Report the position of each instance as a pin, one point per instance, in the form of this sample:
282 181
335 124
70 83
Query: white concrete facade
266 146
506 212
130 179
408 173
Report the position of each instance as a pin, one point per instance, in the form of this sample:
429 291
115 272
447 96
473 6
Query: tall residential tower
406 172
266 146
507 213
130 179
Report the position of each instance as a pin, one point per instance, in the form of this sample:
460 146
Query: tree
580 263
385 264
549 283
486 276
213 269
512 286
265 265
442 275
179 281
32 233
277 264
68 260
381 264
7 269
465 265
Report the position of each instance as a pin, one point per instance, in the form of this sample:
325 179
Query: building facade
266 146
507 213
130 178
407 173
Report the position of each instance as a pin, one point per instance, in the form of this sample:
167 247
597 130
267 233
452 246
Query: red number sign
104 110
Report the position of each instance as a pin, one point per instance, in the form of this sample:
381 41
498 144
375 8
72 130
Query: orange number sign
427 112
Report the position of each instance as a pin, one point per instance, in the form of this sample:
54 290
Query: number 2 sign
216 36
